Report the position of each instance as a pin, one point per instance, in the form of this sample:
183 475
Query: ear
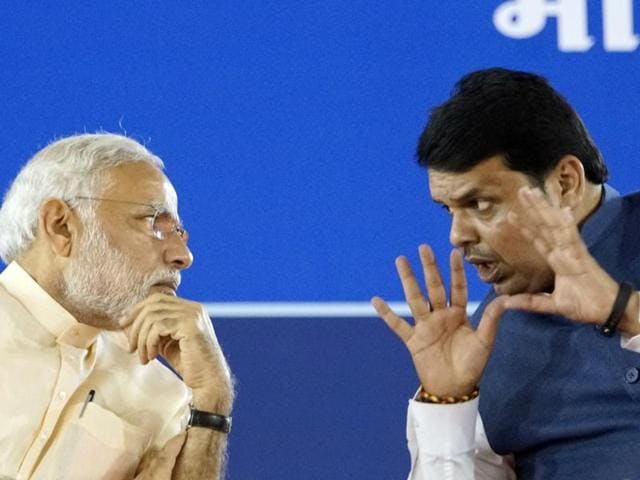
566 183
58 226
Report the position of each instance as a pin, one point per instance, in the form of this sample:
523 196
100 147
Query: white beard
101 285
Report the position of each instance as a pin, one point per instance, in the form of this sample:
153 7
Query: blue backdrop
288 129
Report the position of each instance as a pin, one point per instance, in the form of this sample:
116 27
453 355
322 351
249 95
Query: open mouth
488 271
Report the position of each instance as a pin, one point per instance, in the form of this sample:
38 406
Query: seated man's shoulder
18 325
632 201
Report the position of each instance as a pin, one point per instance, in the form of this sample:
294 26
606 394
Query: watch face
189 417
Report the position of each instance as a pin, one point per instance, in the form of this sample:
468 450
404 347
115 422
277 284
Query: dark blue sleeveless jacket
561 397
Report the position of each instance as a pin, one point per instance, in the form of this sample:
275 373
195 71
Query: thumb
539 303
488 326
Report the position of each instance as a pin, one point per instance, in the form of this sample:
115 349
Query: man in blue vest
550 358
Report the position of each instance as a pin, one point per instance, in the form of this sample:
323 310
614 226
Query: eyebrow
164 209
158 207
465 196
149 206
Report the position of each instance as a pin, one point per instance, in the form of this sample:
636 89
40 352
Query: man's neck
593 198
43 271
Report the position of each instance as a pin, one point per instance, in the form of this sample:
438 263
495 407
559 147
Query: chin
508 286
521 284
100 321
163 289
111 325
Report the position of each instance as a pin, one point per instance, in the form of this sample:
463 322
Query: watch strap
608 328
210 420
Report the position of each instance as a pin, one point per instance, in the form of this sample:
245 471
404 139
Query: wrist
630 323
446 389
426 397
209 420
218 400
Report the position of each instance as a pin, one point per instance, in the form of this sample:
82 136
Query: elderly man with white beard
94 248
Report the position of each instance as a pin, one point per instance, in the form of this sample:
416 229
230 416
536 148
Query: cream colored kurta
48 364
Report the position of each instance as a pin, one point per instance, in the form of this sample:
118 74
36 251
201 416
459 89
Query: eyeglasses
163 223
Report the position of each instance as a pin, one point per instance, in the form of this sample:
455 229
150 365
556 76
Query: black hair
514 114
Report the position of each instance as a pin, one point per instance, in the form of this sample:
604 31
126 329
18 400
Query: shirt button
62 395
632 375
43 437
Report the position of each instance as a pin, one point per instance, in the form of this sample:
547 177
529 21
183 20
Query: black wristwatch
213 421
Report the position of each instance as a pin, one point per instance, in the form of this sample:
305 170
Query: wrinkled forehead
170 197
445 187
142 183
491 175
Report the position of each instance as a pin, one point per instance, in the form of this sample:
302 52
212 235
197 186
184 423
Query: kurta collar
60 323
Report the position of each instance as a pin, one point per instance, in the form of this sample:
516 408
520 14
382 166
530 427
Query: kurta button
632 375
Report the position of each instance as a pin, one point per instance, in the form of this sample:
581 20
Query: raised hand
448 354
582 290
180 330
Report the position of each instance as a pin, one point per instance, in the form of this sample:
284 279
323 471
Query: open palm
582 290
448 354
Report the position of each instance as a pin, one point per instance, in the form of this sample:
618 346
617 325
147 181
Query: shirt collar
600 221
60 323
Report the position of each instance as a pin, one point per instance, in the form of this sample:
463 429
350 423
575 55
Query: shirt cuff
443 430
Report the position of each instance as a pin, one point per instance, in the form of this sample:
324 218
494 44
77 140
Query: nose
462 231
176 253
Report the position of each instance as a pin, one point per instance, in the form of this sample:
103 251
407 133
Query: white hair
64 169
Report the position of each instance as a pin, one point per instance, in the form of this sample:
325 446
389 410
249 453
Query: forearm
203 455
